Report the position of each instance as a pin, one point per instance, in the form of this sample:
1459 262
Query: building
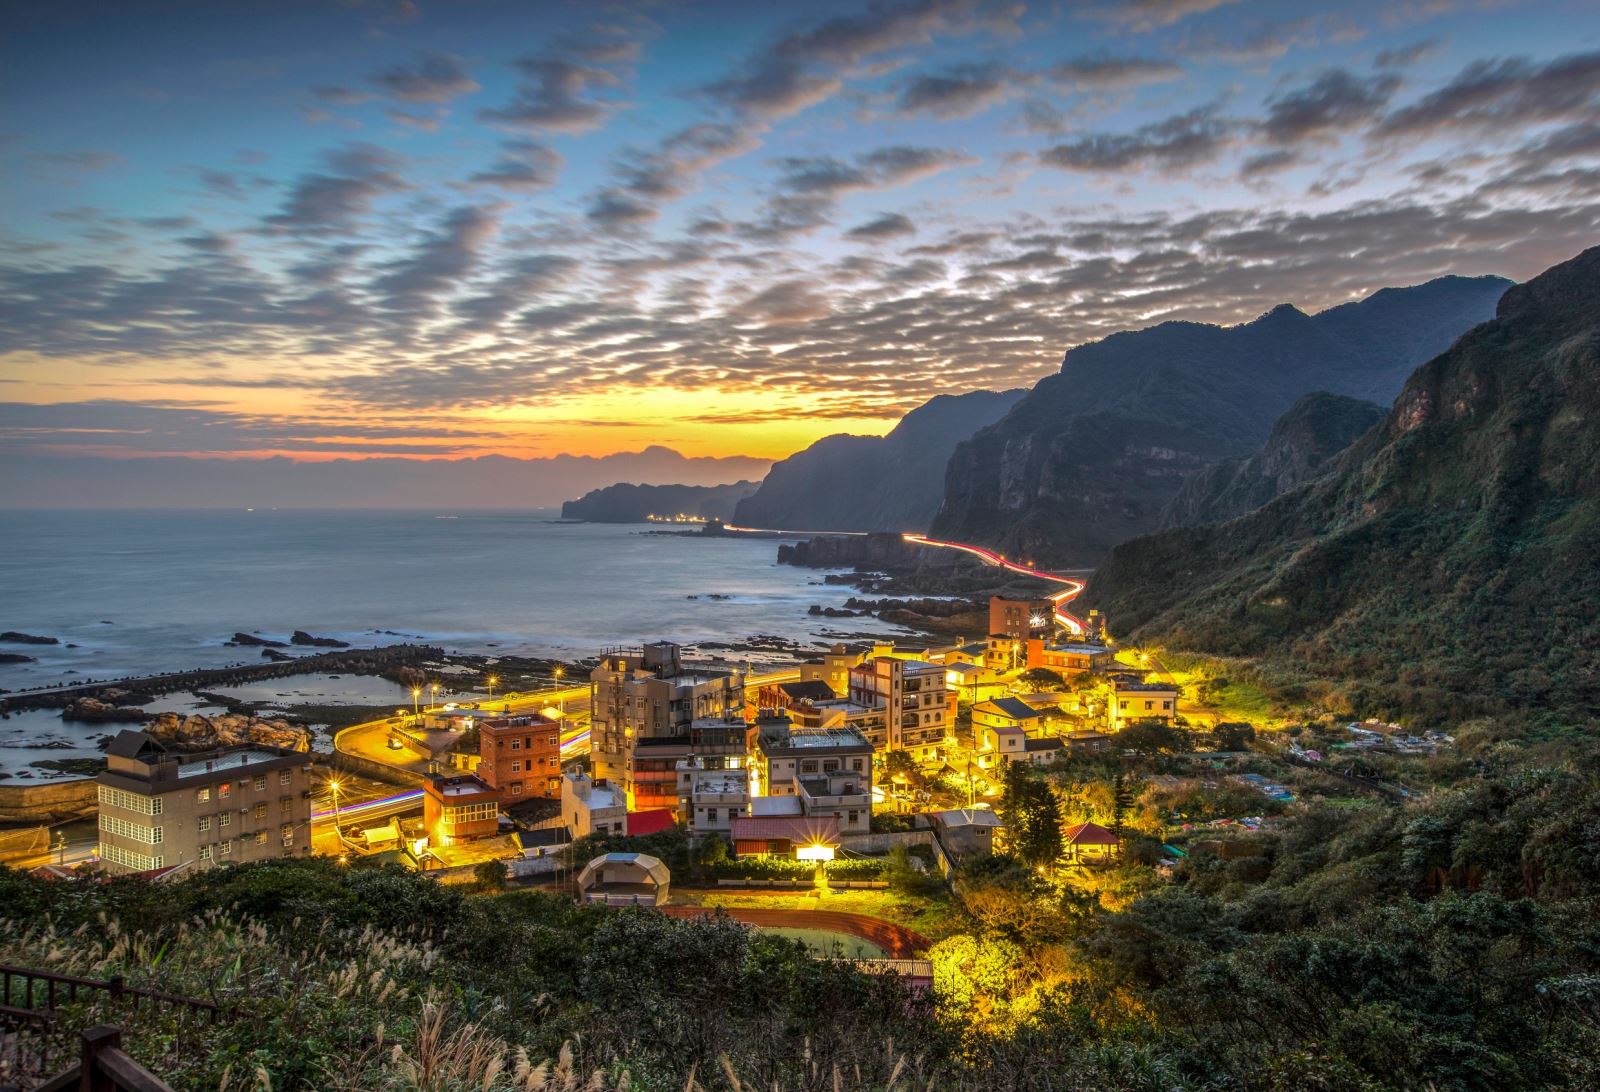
713 777
776 827
832 668
1004 653
1043 752
776 696
1005 743
1087 742
521 756
1069 658
828 771
918 707
1021 619
160 807
647 694
1136 701
625 879
459 808
1007 713
649 777
1089 842
592 806
966 832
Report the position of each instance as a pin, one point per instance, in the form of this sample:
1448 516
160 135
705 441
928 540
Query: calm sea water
141 592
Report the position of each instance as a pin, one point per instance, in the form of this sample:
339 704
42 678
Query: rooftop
1011 707
1042 745
466 785
1146 687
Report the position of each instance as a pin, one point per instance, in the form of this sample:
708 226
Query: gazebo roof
1089 834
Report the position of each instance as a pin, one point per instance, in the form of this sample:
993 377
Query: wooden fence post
90 1077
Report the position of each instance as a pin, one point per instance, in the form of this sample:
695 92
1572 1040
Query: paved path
897 941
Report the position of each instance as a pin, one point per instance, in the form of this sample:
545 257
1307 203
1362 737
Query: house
161 807
1089 842
709 797
967 832
777 827
829 772
1135 701
1068 658
459 808
592 806
832 668
1007 743
1043 752
1087 742
521 755
786 695
625 879
1006 713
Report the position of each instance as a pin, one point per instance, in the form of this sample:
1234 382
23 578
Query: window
284 776
711 815
516 767
261 810
287 834
285 805
224 790
555 741
227 847
516 745
516 790
202 795
259 782
205 853
224 818
203 823
1166 705
129 801
855 764
261 837
136 831
139 862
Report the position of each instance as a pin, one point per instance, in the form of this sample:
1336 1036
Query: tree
491 875
1043 678
1151 737
1033 815
1121 802
1233 736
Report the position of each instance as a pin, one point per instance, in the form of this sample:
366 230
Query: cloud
428 123
79 161
1105 70
1501 95
1334 102
956 92
557 95
888 226
1271 162
1177 142
356 176
879 169
802 68
340 96
414 287
523 282
523 166
646 179
786 303
433 77
1406 56
1150 14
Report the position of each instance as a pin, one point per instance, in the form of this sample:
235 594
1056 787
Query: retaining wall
50 802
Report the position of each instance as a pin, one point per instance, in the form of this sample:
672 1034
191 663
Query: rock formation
202 733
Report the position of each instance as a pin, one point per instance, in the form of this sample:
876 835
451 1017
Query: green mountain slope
1449 561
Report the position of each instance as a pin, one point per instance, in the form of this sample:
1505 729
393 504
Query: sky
450 228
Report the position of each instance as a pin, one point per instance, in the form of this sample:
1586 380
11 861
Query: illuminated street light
333 788
416 692
491 680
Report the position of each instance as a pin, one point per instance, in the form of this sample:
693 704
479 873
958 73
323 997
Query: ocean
140 592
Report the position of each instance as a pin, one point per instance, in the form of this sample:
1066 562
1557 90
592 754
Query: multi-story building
1021 619
161 807
918 707
520 756
1136 701
459 808
647 694
592 807
833 667
830 771
710 797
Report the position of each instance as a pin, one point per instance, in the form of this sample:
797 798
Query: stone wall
50 802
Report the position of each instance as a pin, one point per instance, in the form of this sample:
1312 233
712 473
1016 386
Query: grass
931 915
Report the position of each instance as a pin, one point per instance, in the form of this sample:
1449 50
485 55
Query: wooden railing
103 1067
19 985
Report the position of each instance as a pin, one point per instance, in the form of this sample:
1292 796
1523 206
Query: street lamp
416 692
333 789
433 694
491 680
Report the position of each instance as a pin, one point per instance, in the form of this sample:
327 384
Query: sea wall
51 802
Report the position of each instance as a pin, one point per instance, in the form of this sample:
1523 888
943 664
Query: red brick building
521 756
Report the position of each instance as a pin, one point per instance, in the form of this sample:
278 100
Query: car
394 743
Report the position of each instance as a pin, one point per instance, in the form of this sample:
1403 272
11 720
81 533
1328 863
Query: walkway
897 941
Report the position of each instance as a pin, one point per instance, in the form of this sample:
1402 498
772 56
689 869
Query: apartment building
592 806
829 771
832 668
647 694
160 806
459 808
1070 657
649 774
520 756
918 707
1021 619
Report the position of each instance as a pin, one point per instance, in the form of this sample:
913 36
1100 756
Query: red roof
804 829
651 822
1090 834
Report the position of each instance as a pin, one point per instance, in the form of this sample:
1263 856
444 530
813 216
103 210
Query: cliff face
1093 455
873 483
628 503
1446 562
1314 430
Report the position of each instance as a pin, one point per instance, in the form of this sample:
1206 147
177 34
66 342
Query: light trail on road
410 796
